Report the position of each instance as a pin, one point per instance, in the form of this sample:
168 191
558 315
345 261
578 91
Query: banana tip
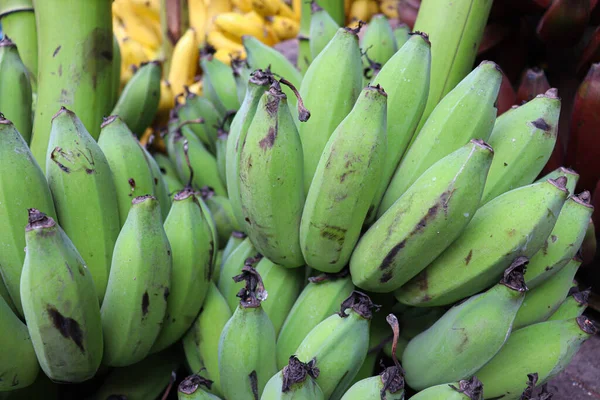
587 325
141 199
190 384
108 120
61 110
422 35
37 219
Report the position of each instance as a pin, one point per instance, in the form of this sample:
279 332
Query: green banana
402 34
247 343
191 389
405 78
22 186
467 112
74 65
160 185
319 299
541 302
564 240
467 389
60 303
378 41
546 348
571 175
340 344
330 93
285 284
335 8
41 388
83 191
523 139
221 154
345 183
144 380
201 342
469 335
241 74
138 102
211 224
387 385
132 175
221 80
115 72
257 84
232 266
135 303
15 91
304 58
197 106
510 227
18 23
192 247
573 306
19 367
270 175
222 212
169 173
322 29
424 221
415 320
295 381
232 243
456 29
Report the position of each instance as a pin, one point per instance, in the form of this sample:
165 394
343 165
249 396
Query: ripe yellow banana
268 8
197 16
184 61
284 27
143 30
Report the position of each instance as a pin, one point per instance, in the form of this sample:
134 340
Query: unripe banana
241 74
541 302
15 91
83 191
295 381
132 175
285 284
378 42
160 185
191 389
232 243
467 112
211 224
138 102
522 139
22 186
231 267
564 240
192 248
344 183
571 175
257 84
573 306
220 78
319 299
340 344
247 343
184 61
337 87
322 29
513 225
138 286
221 156
201 342
60 303
222 213
468 389
270 174
169 173
469 335
546 348
115 72
41 388
401 34
19 367
405 78
200 107
424 221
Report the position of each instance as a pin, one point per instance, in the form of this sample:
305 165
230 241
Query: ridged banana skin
307 390
19 367
83 191
201 342
115 73
546 348
131 173
19 25
222 212
562 244
220 154
523 139
405 78
285 284
192 247
340 346
169 173
60 304
144 380
514 224
541 302
423 222
467 336
322 29
221 78
246 347
231 267
344 184
270 175
138 286
160 185
378 41
371 389
138 102
572 307
15 91
443 392
317 301
200 107
329 93
22 186
237 135
212 226
466 113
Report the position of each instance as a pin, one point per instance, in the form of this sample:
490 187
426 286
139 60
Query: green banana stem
174 21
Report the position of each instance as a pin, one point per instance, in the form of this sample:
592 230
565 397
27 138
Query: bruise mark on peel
541 124
468 257
334 233
68 327
386 277
166 293
145 303
268 141
389 258
254 384
56 51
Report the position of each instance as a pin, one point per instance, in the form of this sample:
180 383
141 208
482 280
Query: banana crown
472 388
360 303
254 292
192 383
297 372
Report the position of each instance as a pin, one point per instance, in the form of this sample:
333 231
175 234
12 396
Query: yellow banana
184 61
214 8
196 88
136 25
242 5
268 8
284 27
197 15
236 25
359 11
220 41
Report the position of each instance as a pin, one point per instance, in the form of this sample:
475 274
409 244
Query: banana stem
303 113
174 21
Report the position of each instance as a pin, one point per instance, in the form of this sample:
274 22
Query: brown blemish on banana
468 257
541 124
334 233
68 327
254 384
145 303
166 293
55 53
345 174
98 53
53 157
268 141
131 182
386 277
